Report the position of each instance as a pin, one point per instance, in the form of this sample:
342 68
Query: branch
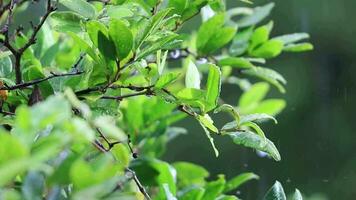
36 81
138 183
120 98
19 52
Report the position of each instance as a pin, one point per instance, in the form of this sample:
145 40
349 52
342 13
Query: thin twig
119 98
53 75
138 183
36 81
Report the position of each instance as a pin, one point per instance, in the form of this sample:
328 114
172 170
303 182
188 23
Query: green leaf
99 35
107 125
178 5
259 13
168 193
251 140
36 72
240 63
254 95
118 12
256 117
208 29
257 129
213 86
64 21
297 195
214 188
189 173
292 38
166 79
191 94
240 43
122 37
211 139
84 46
207 122
219 39
229 109
270 107
259 36
269 49
237 181
195 193
275 193
154 23
5 66
268 75
81 7
192 77
298 47
11 148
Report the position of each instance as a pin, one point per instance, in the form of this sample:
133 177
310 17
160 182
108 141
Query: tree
90 95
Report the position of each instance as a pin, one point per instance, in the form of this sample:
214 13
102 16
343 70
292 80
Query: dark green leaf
122 37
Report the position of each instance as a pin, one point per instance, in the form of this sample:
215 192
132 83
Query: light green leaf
192 77
107 125
122 37
213 86
219 39
252 140
270 107
11 148
63 21
259 13
259 36
207 122
214 188
191 94
166 79
237 181
298 47
269 49
240 63
254 95
118 12
195 193
81 7
189 173
208 29
275 193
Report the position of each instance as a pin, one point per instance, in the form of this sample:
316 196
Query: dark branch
138 183
36 81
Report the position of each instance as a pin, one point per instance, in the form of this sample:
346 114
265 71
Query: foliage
90 96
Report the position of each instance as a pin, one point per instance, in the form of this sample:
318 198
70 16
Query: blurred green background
316 132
